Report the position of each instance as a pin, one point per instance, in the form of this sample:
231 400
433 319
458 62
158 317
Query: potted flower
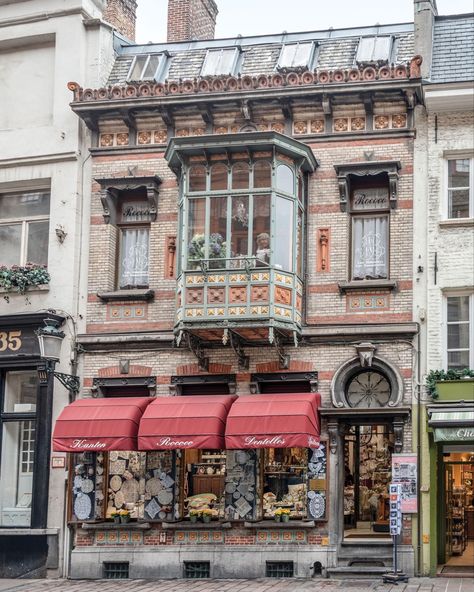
451 385
282 514
207 515
116 517
18 278
194 515
217 248
124 516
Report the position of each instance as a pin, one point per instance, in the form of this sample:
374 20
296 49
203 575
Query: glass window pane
374 49
262 174
370 248
136 70
37 246
219 177
240 226
283 247
458 173
458 308
218 232
285 481
365 50
133 257
151 67
240 176
261 228
16 473
295 55
458 336
196 229
285 179
458 203
218 62
382 48
10 244
20 391
458 360
22 205
299 244
197 178
123 476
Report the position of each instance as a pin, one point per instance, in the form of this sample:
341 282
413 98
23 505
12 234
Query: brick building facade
251 226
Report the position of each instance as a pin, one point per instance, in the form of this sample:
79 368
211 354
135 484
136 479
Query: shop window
374 50
24 227
295 55
460 188
285 482
204 482
220 62
367 474
459 334
18 430
134 238
88 476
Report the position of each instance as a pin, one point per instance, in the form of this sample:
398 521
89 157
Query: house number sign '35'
10 340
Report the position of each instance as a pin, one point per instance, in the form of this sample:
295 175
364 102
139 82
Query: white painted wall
44 44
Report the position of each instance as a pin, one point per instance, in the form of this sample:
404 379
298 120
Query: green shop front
451 448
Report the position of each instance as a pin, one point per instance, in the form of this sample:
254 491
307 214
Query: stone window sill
270 524
185 525
113 526
10 293
367 285
29 531
456 223
127 295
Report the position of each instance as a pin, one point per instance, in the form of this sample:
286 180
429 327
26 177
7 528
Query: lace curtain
370 247
134 257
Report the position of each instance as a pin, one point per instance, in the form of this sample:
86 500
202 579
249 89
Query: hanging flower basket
19 278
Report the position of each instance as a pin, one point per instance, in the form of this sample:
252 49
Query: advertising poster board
404 471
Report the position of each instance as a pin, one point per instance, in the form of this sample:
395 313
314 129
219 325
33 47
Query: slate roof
453 49
335 49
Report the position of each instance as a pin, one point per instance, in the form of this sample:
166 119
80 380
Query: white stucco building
44 215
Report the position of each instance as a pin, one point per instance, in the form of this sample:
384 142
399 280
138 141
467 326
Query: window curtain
134 257
370 248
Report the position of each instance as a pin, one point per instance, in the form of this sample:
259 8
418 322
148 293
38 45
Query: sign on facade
404 473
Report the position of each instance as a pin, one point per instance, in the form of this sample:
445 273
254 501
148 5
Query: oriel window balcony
241 244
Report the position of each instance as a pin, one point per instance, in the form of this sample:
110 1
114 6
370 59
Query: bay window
243 212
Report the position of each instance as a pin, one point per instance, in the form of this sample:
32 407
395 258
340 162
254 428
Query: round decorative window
368 389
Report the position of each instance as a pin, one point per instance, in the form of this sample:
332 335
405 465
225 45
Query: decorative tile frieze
390 121
309 126
125 312
341 124
121 537
145 137
281 536
108 140
196 537
365 302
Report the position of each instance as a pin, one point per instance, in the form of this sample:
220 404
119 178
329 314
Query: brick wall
122 14
191 19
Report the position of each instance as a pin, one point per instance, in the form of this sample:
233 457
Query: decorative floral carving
300 127
160 137
278 127
399 120
182 133
107 140
317 126
357 124
341 124
220 129
122 139
381 121
144 137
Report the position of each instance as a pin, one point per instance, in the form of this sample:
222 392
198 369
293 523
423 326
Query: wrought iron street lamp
50 339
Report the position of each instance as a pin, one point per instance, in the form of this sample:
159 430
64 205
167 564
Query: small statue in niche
263 247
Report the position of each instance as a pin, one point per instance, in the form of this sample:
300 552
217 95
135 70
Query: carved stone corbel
106 199
398 429
343 183
366 351
333 431
393 188
152 198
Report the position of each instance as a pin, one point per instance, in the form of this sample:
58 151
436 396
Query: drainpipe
418 451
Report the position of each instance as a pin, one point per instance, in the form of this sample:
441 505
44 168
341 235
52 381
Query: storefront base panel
167 562
24 556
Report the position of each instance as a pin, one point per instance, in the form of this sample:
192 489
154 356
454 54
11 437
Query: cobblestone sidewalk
260 585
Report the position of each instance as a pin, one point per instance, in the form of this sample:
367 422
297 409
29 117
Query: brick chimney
191 19
122 15
425 13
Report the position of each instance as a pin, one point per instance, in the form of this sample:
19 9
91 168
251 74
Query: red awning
185 422
91 425
274 421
